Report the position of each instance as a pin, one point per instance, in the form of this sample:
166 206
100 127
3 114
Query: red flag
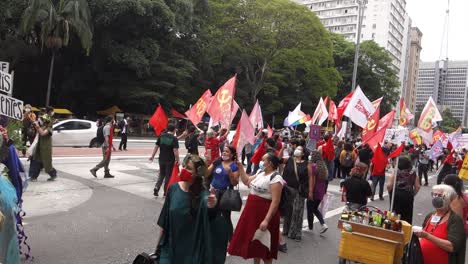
176 114
174 176
397 151
159 120
257 156
386 121
438 135
195 114
328 150
332 112
235 108
449 145
371 127
245 133
270 131
403 119
222 104
379 161
342 105
376 139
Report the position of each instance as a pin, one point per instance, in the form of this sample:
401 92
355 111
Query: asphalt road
82 220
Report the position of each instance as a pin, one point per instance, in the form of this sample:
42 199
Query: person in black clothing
365 155
123 126
355 188
169 145
191 141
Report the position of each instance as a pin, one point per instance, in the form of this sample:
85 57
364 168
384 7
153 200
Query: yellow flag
463 174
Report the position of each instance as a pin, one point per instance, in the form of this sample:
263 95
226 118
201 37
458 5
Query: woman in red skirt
260 212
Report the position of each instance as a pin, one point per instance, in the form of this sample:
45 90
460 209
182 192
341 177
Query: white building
447 83
385 21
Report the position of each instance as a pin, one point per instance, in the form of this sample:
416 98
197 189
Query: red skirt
255 210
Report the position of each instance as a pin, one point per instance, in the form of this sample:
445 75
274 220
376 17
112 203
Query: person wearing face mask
28 131
317 189
191 229
296 175
260 213
442 237
42 156
222 174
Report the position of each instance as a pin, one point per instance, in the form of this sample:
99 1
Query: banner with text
397 135
11 107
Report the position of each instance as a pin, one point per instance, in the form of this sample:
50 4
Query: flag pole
395 171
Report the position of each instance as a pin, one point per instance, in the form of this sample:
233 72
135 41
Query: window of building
374 26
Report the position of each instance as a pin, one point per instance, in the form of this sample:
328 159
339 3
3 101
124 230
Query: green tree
375 75
449 123
276 47
51 22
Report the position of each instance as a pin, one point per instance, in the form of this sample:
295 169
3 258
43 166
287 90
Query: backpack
348 160
100 135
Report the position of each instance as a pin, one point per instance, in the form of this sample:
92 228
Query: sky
429 17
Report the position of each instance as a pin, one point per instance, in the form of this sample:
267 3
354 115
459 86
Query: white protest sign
6 83
4 66
396 136
11 107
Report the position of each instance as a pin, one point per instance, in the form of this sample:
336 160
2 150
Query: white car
74 133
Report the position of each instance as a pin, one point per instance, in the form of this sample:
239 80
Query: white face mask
261 165
27 110
297 153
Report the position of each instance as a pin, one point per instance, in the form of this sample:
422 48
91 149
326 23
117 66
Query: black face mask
438 202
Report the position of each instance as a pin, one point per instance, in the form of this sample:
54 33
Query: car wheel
94 143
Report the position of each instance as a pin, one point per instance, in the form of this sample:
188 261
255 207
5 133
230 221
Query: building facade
409 91
447 83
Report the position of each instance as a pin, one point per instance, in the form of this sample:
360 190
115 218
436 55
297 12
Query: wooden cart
368 244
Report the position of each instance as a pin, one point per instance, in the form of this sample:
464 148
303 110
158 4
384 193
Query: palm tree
56 19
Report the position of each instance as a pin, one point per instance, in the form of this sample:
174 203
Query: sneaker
381 198
109 176
93 172
156 192
372 199
324 228
426 184
52 178
298 239
283 248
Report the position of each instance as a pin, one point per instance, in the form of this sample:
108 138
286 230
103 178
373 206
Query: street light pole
361 5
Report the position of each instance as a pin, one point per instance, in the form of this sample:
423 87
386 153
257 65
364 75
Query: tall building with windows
409 91
385 21
447 83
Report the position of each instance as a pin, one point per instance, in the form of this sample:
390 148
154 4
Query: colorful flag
437 150
332 112
371 126
235 108
438 135
256 117
387 120
359 108
221 106
320 113
293 116
377 102
397 151
415 137
405 114
159 120
429 114
195 114
376 139
454 137
245 133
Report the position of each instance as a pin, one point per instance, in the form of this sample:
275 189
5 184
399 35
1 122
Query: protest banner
6 82
397 135
11 107
4 66
463 174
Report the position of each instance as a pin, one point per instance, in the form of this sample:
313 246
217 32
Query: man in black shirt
191 141
169 145
355 188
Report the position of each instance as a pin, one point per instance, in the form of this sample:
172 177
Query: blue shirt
221 179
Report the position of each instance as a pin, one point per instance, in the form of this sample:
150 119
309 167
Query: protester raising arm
243 176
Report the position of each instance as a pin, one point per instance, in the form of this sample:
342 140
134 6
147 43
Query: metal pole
395 171
361 5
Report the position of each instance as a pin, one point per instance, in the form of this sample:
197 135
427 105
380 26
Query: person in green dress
193 231
42 157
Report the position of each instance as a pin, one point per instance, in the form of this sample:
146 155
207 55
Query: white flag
256 116
359 108
293 116
321 113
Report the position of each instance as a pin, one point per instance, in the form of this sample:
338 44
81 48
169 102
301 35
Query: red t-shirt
433 254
